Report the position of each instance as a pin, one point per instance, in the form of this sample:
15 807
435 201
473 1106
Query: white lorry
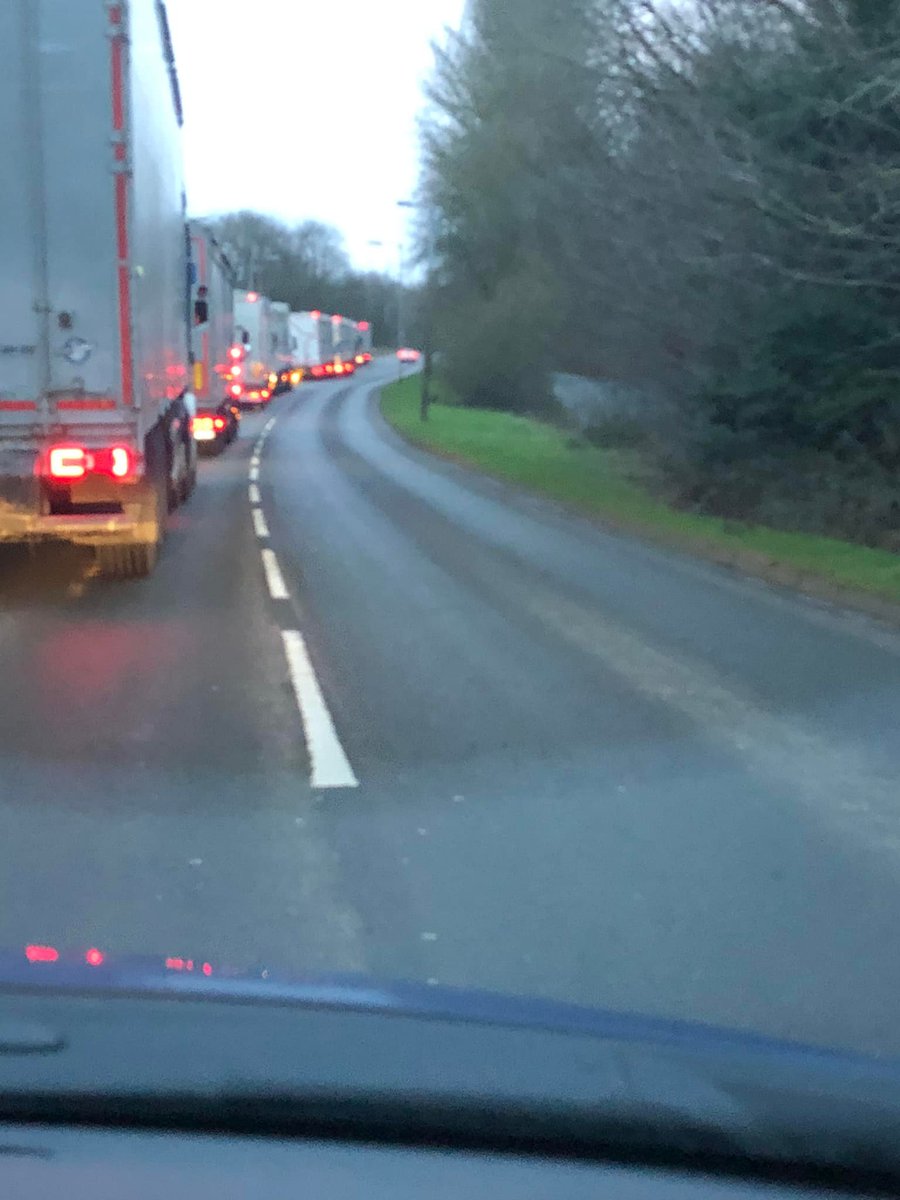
217 417
311 345
345 339
95 400
254 361
280 379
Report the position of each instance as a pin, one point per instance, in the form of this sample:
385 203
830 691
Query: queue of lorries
123 345
246 348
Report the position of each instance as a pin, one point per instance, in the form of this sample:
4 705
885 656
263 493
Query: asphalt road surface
374 713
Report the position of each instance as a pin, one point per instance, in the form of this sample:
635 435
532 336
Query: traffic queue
247 348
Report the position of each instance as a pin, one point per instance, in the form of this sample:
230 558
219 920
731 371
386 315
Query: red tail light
359 360
67 462
94 957
45 954
265 393
236 352
236 389
338 368
329 368
318 372
218 423
121 462
237 371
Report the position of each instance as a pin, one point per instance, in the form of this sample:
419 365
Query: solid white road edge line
330 765
253 493
274 577
259 523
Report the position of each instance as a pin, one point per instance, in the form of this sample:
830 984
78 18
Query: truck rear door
59 314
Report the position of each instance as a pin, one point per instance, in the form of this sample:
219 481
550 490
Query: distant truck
95 399
345 339
254 355
280 378
217 416
363 343
310 341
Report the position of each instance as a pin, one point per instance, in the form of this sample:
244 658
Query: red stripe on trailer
18 405
118 83
117 69
92 405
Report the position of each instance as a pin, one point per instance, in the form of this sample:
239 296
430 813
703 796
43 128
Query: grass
605 483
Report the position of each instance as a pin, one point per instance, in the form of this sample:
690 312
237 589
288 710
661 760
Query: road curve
376 712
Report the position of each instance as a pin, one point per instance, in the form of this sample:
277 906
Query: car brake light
219 422
273 379
202 429
338 368
236 389
359 360
94 957
68 462
237 371
265 393
236 352
296 376
329 368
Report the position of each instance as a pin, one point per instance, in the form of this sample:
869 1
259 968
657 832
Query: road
407 721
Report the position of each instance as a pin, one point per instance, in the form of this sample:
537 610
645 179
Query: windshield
448 499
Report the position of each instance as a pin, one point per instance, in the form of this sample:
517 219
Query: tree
709 192
308 268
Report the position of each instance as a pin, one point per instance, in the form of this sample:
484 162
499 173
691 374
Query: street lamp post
399 296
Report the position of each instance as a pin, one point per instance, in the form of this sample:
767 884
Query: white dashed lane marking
274 578
330 765
259 523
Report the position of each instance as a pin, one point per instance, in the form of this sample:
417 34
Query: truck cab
211 314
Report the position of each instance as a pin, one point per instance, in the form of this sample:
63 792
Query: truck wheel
136 560
127 562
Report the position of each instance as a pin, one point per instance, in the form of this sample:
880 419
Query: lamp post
399 296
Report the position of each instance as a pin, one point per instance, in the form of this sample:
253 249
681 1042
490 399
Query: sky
308 108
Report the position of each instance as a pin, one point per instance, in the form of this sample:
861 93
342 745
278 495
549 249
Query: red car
406 354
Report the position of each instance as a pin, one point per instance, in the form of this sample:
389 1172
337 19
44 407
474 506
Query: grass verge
604 483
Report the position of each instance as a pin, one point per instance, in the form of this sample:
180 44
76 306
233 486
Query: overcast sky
299 109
